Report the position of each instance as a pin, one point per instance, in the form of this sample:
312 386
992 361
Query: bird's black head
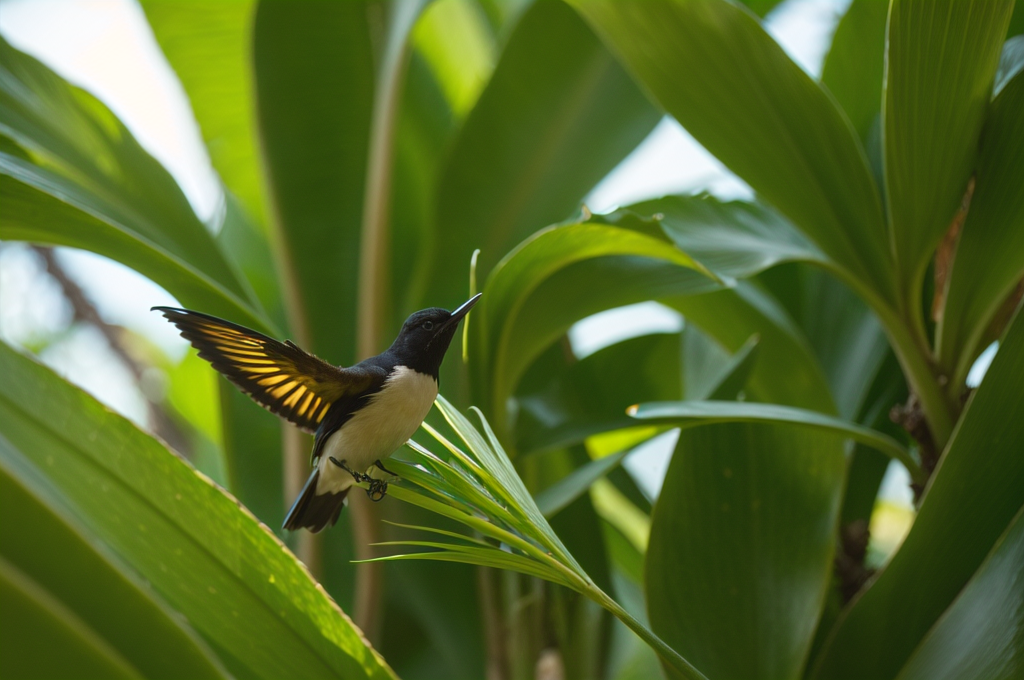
425 336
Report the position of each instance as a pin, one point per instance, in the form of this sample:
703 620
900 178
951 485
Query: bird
359 415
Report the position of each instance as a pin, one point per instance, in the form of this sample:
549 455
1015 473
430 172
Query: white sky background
106 47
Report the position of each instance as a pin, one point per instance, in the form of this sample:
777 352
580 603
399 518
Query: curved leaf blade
201 552
941 58
741 546
208 45
521 313
713 67
989 258
41 539
86 160
556 116
35 622
689 413
979 635
965 509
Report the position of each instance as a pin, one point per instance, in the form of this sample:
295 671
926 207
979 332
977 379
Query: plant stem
373 273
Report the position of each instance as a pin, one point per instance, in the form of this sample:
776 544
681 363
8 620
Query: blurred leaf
201 553
786 370
855 64
741 546
35 623
965 509
40 539
989 258
209 45
92 186
563 492
423 134
253 454
249 248
557 115
690 413
714 68
519 316
846 336
454 38
733 239
979 635
575 401
706 378
941 57
314 71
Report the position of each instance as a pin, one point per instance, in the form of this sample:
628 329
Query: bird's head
426 335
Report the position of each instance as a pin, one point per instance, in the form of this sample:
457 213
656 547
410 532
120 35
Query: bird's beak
462 311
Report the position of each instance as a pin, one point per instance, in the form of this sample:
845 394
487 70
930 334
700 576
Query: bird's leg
358 476
378 488
380 466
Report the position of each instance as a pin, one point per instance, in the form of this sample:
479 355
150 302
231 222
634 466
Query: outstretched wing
278 375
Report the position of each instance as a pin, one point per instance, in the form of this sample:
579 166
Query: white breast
379 428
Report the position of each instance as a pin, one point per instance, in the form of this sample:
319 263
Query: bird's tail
315 511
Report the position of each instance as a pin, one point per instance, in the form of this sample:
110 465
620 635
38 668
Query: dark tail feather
312 511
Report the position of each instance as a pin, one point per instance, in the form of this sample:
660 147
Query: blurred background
88 317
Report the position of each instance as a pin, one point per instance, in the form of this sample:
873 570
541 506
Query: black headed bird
360 415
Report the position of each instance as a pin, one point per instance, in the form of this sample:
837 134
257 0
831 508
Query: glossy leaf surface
710 64
965 509
202 554
741 546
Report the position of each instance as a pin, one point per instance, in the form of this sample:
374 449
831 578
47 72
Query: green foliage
368 152
198 550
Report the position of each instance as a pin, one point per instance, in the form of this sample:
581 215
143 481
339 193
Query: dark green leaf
35 623
855 64
965 509
208 45
786 370
557 115
90 185
572 402
741 546
941 57
735 239
989 258
714 68
314 70
979 635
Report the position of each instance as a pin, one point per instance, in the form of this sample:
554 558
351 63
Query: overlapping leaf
966 507
713 67
199 551
989 258
89 184
557 115
482 491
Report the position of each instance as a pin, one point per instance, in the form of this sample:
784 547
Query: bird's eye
428 325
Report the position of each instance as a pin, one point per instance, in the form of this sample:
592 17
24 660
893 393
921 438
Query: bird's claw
378 488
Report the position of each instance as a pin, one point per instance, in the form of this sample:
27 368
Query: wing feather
279 376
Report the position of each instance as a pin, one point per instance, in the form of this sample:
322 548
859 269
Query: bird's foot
377 490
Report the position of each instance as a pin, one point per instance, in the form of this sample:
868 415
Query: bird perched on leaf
359 415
